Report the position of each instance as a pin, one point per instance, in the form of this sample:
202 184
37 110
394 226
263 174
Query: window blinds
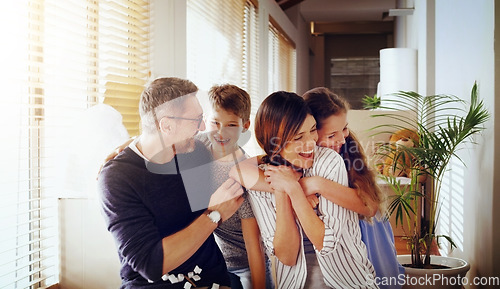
215 41
52 70
223 44
223 47
251 55
124 30
282 60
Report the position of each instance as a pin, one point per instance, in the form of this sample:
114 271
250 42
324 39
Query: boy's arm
341 195
255 252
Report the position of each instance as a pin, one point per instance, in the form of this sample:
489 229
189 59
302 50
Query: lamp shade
398 72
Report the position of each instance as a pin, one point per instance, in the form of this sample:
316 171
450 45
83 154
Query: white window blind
51 72
282 60
215 37
124 50
223 47
251 68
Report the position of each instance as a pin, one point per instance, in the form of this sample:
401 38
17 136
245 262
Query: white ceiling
345 10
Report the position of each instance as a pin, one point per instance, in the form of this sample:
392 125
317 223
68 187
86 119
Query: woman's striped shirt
343 259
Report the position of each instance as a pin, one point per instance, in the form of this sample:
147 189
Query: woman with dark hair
363 194
330 253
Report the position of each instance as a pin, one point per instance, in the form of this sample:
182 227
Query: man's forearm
179 247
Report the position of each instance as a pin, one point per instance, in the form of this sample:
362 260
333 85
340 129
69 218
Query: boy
239 236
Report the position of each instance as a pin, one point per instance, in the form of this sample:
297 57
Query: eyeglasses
199 120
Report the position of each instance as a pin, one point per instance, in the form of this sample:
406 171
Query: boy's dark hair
231 98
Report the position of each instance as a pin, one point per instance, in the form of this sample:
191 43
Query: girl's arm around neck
341 195
248 174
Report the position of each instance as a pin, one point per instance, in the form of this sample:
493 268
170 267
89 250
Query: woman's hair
278 120
323 104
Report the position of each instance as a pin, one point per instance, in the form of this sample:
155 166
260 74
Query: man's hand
227 199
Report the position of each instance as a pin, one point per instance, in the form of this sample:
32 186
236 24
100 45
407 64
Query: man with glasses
154 196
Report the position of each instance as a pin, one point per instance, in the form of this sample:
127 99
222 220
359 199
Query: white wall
455 42
465 53
496 124
168 53
87 251
302 47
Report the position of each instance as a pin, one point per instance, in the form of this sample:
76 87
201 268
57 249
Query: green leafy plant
444 123
371 102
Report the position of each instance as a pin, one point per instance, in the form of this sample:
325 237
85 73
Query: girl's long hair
323 104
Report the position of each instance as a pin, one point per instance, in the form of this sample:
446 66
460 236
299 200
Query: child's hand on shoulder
282 178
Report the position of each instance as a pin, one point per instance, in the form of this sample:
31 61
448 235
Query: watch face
214 216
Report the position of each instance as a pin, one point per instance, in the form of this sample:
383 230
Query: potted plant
442 129
371 102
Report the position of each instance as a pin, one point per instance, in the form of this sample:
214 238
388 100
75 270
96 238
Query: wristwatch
215 217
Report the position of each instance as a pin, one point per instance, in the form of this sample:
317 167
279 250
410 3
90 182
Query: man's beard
185 146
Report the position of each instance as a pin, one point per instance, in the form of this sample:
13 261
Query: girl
286 131
362 195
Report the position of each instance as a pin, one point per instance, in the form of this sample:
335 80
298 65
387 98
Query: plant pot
451 278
